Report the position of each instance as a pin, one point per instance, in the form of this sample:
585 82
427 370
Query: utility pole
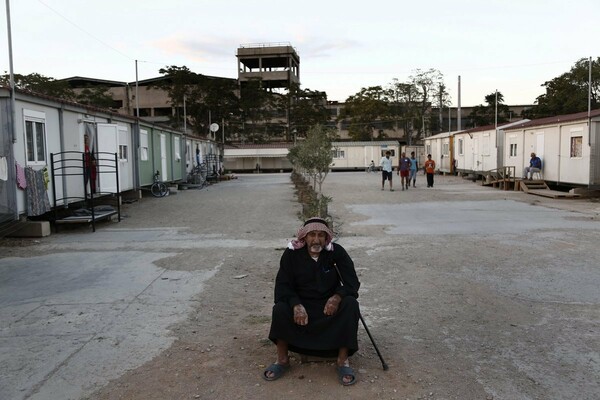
441 105
184 115
459 124
13 101
137 103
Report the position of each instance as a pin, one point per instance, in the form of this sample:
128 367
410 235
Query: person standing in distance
414 167
386 170
404 170
429 170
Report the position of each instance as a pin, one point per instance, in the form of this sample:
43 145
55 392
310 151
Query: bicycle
158 188
197 175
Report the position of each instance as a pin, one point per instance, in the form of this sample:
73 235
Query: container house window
35 137
337 153
122 152
576 146
461 147
143 145
446 148
177 146
392 152
512 146
123 147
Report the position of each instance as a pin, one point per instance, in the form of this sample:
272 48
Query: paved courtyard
471 293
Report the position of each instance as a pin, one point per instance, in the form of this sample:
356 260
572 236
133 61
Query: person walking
429 170
404 170
414 167
386 170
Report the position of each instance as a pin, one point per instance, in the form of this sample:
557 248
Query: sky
512 46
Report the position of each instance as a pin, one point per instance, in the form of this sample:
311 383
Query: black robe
302 280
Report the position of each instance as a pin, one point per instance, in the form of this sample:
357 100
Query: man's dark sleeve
346 269
284 282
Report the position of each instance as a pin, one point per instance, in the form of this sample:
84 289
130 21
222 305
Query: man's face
315 240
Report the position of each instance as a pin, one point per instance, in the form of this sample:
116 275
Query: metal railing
502 175
260 45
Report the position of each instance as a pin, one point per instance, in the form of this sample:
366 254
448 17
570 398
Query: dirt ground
470 292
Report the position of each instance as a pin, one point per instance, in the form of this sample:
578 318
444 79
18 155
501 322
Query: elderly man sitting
535 165
314 313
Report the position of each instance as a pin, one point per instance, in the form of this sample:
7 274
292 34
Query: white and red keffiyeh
312 224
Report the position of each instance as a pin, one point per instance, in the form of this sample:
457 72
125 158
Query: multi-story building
276 66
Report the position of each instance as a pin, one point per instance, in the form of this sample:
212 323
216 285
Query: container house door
108 142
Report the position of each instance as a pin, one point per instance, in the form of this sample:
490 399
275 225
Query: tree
207 99
482 115
97 96
305 109
256 108
430 88
404 105
41 84
313 157
367 111
568 93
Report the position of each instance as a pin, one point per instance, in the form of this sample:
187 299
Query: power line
112 47
83 30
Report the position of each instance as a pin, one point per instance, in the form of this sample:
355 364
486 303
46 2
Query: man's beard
316 248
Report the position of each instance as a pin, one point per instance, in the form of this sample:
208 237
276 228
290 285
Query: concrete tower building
277 65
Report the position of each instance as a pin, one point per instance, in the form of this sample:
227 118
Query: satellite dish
214 127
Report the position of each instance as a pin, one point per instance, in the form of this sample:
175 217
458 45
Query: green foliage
306 108
97 96
255 104
402 105
41 84
367 111
568 93
313 205
483 115
208 99
430 87
313 156
316 207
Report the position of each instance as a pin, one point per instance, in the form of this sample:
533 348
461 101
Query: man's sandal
343 372
277 369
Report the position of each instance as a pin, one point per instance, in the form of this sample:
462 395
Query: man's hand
300 315
332 304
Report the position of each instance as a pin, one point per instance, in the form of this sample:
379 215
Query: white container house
568 145
480 149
